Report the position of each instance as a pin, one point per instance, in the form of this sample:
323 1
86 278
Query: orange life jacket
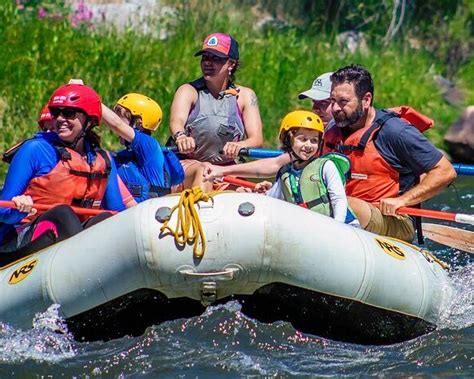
372 178
72 181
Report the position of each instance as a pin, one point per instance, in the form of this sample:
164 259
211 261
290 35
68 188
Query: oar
464 169
428 213
438 215
238 182
44 207
447 235
461 168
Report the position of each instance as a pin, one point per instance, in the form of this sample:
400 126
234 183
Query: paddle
438 215
43 207
238 182
428 213
447 235
461 168
464 169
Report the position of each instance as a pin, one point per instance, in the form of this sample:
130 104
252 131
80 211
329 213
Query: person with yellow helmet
146 169
311 181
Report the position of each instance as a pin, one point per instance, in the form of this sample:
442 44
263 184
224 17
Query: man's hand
389 206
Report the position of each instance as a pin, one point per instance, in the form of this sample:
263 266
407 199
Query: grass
36 56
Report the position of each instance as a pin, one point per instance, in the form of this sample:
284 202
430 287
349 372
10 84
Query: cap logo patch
213 41
318 83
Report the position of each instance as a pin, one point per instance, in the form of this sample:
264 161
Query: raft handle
227 274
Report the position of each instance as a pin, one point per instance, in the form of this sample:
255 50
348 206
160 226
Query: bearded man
388 156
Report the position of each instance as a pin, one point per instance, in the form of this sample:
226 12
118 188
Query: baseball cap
320 90
221 45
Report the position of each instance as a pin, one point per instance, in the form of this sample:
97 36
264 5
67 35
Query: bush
37 55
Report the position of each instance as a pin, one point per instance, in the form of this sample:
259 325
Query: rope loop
188 226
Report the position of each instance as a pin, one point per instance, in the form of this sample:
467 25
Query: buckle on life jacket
228 92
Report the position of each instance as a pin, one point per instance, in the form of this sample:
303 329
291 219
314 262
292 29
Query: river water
225 343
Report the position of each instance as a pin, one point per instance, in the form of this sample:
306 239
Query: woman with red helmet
66 166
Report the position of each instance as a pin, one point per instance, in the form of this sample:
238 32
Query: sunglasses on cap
68 113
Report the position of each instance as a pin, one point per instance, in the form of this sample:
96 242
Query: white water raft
281 261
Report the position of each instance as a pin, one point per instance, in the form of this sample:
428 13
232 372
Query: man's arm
439 177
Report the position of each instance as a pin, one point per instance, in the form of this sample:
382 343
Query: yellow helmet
140 105
300 119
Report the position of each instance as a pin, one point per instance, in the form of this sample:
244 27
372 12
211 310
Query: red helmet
45 115
78 96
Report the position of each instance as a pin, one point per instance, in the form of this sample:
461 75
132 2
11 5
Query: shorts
400 227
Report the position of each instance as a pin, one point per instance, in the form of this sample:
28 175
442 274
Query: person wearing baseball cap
212 117
319 93
221 45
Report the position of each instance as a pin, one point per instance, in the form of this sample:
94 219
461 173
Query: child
314 182
144 167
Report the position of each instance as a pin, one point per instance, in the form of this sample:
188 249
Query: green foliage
38 55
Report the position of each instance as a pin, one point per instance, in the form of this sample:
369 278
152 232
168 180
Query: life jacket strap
324 199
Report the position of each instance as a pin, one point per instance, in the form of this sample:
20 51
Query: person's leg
53 226
96 219
400 227
193 171
361 209
61 220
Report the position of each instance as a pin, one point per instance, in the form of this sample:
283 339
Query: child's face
305 143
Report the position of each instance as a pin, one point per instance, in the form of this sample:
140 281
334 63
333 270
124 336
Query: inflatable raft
282 262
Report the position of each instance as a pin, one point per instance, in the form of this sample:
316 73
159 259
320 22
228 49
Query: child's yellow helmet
300 119
140 105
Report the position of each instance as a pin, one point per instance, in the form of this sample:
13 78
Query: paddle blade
453 237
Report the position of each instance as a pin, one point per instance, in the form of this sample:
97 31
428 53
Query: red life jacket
72 181
372 178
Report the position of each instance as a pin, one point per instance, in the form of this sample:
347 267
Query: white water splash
459 313
47 341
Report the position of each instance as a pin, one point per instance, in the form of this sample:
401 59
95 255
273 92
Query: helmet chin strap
82 134
287 143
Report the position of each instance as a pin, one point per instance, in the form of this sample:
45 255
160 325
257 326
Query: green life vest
307 188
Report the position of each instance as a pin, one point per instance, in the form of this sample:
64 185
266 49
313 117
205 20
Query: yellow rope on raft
188 227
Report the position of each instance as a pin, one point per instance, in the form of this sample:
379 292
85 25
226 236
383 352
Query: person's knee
361 209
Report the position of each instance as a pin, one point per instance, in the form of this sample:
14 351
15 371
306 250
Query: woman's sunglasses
68 113
213 58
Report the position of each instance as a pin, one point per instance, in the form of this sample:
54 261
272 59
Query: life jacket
72 181
138 185
214 122
307 188
372 178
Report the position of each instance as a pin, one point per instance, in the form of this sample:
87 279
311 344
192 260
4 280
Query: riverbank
38 54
